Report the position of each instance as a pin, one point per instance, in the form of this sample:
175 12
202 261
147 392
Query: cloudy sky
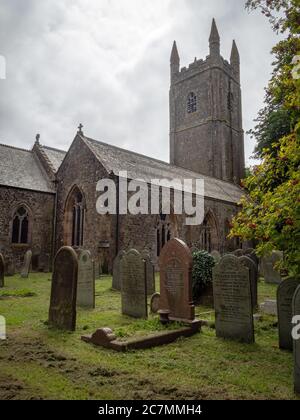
105 63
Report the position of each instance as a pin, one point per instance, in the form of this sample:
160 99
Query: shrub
202 272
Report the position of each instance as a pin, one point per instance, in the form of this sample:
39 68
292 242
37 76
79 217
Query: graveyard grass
40 363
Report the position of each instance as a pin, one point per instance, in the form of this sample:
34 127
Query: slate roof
55 156
116 159
19 168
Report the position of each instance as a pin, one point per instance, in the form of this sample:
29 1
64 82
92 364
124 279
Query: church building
48 196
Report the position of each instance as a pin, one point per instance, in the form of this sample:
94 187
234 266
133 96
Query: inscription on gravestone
62 311
232 298
27 265
296 312
86 280
285 294
134 285
2 270
176 265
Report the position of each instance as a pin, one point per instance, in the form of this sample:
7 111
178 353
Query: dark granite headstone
269 271
134 285
296 312
117 281
232 299
154 303
176 264
253 275
86 280
285 294
62 311
27 264
2 269
150 273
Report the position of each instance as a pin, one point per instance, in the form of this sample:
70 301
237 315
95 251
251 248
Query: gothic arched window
192 103
20 227
74 218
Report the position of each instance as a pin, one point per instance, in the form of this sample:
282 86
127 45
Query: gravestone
134 285
62 311
154 303
216 256
232 299
117 281
296 312
253 275
176 264
285 294
2 270
250 252
150 273
269 307
27 264
270 274
238 253
86 280
10 269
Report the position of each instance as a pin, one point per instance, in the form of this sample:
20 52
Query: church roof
115 159
55 156
20 169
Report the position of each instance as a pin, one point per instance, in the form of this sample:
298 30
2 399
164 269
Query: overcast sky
105 63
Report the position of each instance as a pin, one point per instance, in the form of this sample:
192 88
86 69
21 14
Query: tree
270 211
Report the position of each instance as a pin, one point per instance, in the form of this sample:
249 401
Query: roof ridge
53 148
15 148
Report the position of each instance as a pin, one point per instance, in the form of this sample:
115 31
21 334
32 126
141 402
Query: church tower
206 133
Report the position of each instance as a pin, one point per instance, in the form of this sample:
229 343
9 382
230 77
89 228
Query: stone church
48 196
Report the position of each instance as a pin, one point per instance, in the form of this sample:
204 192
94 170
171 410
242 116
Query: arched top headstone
176 247
27 264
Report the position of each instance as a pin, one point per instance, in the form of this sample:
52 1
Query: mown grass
38 362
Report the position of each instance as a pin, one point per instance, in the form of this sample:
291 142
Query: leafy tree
270 212
203 264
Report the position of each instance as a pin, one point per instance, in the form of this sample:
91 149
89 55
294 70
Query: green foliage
203 264
270 212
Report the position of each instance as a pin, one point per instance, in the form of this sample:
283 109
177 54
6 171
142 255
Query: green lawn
39 363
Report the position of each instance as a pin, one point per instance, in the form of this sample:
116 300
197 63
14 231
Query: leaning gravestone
86 280
2 269
270 274
232 298
296 312
62 311
117 281
134 285
285 293
150 273
27 264
176 264
253 275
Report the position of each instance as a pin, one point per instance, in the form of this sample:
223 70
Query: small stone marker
232 298
216 256
285 294
269 307
176 263
27 265
86 280
134 285
117 281
271 275
2 269
150 273
296 312
62 311
154 303
253 275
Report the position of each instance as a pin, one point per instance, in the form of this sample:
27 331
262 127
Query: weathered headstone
269 272
269 307
150 273
27 264
250 252
154 303
86 280
216 256
62 311
253 275
296 312
285 294
176 264
117 276
233 302
10 268
134 285
238 253
2 270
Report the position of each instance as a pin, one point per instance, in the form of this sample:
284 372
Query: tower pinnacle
235 60
214 40
174 60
